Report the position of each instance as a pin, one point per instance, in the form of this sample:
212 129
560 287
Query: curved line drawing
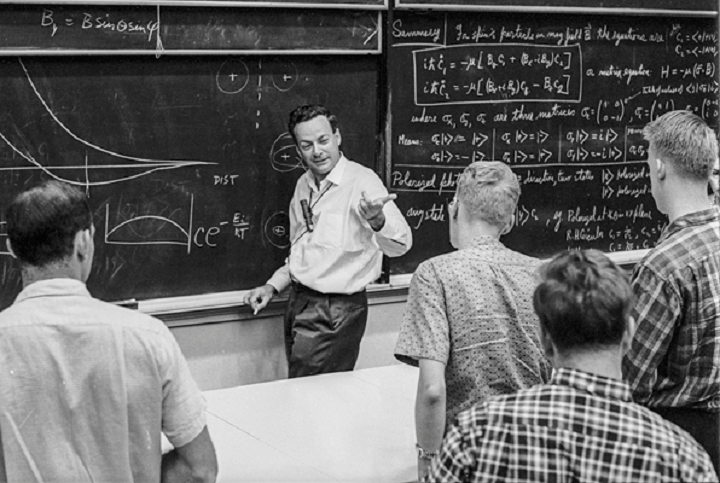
90 145
290 79
150 217
287 162
269 231
80 183
185 232
152 164
247 78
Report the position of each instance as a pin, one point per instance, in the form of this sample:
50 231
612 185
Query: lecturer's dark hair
583 300
311 111
42 222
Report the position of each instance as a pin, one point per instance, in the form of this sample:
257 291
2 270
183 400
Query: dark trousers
323 331
702 425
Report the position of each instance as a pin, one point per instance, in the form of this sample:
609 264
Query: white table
345 427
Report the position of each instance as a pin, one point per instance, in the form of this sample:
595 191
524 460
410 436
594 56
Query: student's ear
9 248
628 335
546 343
509 226
83 244
661 168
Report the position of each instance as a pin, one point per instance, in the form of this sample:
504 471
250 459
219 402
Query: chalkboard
647 7
562 99
186 159
29 29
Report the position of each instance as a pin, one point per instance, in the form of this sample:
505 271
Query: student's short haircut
686 140
42 222
306 113
583 300
490 191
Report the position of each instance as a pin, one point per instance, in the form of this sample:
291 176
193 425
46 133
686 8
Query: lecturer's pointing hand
372 210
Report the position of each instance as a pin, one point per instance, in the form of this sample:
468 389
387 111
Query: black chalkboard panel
31 29
562 99
597 6
223 3
186 159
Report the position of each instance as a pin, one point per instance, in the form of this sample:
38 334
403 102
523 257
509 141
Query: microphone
307 214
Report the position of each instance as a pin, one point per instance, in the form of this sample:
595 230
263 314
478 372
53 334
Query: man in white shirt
86 387
342 220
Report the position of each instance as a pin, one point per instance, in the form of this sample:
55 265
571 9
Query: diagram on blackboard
160 222
276 230
144 165
149 229
283 154
232 77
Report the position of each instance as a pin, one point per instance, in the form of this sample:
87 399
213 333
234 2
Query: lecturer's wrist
377 222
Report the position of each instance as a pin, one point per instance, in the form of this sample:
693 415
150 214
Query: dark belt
300 288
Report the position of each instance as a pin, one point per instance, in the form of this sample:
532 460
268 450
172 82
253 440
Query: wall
229 347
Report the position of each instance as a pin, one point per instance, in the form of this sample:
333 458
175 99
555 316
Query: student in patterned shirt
582 427
673 365
469 322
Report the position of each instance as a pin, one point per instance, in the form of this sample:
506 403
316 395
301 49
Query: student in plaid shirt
582 426
673 365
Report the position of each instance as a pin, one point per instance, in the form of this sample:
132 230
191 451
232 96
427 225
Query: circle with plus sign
232 77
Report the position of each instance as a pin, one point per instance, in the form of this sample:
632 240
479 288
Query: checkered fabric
674 360
578 428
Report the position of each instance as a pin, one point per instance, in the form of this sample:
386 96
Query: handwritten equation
560 99
107 22
483 73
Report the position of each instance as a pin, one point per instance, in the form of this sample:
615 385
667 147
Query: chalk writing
562 101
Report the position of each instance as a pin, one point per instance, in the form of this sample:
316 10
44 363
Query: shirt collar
693 219
592 383
54 287
483 241
335 176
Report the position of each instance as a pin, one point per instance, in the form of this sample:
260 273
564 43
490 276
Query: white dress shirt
342 253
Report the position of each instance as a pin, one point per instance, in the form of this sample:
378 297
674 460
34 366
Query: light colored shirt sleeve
183 405
281 278
395 237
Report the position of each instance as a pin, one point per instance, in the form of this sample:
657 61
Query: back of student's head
686 140
42 222
583 300
306 113
490 191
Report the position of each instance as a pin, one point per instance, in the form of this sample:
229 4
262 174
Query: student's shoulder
453 258
667 436
130 319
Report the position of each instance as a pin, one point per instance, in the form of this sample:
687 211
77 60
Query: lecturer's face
318 145
715 177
